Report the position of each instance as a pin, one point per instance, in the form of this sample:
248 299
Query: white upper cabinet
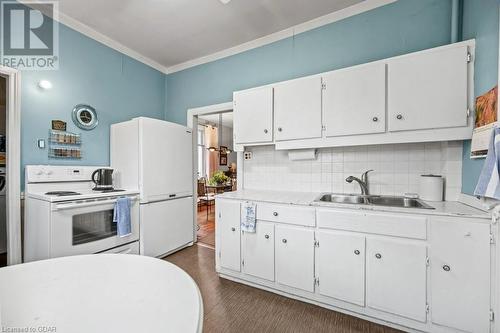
428 90
354 100
460 274
253 116
297 109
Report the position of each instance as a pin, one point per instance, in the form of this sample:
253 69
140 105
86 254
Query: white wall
397 168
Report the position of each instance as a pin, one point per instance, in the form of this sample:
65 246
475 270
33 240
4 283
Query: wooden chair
203 196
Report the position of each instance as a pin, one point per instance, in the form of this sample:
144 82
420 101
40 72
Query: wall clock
85 117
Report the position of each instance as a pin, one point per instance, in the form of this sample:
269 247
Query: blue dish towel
488 183
248 217
121 216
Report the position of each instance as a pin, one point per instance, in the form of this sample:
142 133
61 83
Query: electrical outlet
247 155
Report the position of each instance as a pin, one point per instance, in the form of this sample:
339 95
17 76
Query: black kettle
103 179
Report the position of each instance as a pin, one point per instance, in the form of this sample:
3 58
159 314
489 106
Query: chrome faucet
363 182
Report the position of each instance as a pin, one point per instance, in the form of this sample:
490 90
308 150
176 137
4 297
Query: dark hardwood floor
234 307
206 233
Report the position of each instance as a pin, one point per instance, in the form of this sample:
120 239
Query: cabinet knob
356 252
265 131
375 119
280 129
399 116
378 256
446 268
275 213
233 229
266 236
284 241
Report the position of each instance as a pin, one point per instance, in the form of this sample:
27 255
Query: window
201 152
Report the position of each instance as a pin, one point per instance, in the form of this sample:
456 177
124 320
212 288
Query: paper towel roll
431 187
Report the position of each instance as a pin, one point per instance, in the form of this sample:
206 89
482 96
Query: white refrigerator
155 156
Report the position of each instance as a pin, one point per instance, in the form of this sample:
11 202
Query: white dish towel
488 184
248 217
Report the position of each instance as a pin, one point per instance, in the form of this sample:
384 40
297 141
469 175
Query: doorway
214 165
3 127
10 165
216 169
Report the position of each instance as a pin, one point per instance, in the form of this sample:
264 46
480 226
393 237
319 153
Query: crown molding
95 35
84 29
353 10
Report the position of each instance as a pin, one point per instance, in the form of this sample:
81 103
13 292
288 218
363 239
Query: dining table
99 293
220 188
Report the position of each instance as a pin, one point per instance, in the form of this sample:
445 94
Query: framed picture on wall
222 155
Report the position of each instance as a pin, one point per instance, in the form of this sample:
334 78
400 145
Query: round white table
99 293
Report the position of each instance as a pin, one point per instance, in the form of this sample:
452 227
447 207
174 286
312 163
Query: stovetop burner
62 193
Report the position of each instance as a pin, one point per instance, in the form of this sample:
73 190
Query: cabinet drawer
373 223
286 214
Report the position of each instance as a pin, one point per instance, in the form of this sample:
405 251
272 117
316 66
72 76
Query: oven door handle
87 204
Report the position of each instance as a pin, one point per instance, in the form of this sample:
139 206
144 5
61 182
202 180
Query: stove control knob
48 172
39 172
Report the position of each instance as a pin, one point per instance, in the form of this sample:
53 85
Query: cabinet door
354 100
228 234
396 277
428 90
460 274
258 251
253 115
297 109
295 257
340 266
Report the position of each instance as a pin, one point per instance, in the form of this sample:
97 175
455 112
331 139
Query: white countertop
100 293
444 208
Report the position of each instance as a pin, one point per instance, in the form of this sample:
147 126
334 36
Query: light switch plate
247 155
41 143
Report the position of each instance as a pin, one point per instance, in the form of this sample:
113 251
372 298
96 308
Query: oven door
86 226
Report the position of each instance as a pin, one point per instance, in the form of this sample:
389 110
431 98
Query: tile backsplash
397 168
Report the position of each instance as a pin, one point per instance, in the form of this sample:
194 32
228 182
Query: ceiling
171 32
213 119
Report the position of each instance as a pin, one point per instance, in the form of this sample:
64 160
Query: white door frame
13 164
192 122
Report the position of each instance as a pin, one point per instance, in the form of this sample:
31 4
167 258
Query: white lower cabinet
295 257
258 251
427 273
340 266
396 277
228 234
460 275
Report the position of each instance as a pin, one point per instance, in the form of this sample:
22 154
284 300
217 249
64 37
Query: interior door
227 226
295 257
166 226
253 115
354 100
428 90
460 274
396 277
258 251
166 160
297 109
340 265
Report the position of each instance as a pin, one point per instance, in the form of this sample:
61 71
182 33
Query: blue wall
480 22
117 86
399 28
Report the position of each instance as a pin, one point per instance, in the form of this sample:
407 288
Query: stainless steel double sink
375 200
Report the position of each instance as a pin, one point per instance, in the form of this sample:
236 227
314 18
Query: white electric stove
64 216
